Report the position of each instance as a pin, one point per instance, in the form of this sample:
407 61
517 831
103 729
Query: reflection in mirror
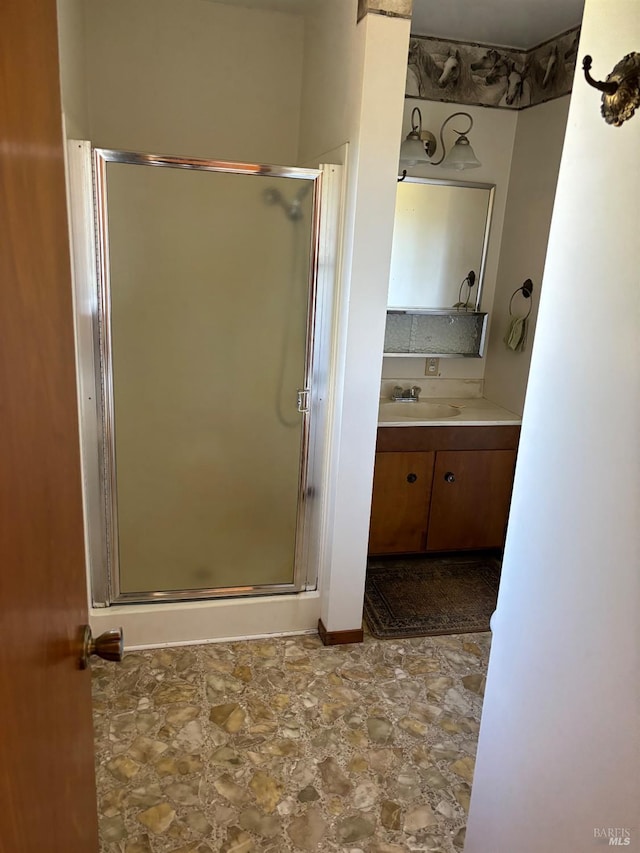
441 232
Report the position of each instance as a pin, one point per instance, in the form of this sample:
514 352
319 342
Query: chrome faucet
406 395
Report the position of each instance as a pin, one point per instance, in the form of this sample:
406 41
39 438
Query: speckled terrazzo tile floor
283 745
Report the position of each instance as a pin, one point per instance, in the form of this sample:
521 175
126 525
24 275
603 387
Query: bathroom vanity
443 476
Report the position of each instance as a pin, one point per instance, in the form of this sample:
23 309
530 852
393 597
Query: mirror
440 235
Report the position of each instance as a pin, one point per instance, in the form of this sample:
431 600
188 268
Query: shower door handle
303 400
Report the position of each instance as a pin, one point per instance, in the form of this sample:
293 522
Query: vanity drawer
412 438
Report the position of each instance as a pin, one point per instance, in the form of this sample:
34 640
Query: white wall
352 92
332 76
194 77
73 88
534 175
492 138
559 742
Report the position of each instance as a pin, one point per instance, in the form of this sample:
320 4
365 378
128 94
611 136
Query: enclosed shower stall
201 448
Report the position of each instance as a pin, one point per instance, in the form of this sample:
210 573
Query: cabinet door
400 504
470 499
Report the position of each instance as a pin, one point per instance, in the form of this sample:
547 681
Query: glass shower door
207 306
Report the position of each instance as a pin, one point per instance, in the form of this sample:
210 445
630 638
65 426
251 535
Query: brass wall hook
621 89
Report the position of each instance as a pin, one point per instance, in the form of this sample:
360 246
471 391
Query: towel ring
470 281
526 289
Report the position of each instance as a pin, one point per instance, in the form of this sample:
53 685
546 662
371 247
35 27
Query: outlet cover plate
432 366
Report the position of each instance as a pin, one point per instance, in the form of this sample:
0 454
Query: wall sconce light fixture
420 146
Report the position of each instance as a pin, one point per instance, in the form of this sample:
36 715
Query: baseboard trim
339 638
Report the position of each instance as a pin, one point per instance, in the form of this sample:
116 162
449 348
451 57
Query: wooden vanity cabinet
402 493
470 499
441 488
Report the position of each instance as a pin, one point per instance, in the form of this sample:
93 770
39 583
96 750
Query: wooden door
400 502
47 787
470 499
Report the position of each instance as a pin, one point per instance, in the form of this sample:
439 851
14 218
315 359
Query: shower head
293 209
272 196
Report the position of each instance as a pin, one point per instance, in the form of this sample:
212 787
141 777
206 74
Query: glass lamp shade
461 156
412 151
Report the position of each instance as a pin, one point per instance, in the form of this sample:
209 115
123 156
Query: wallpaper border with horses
486 76
393 8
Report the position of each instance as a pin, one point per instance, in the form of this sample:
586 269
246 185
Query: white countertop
429 411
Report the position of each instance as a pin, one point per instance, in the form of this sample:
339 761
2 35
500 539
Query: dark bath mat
427 596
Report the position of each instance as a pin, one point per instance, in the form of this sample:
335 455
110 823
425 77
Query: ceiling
506 23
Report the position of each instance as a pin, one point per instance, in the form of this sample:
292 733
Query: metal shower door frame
103 543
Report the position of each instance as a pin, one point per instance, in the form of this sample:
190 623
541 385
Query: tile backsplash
451 388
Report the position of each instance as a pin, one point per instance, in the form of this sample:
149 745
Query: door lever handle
108 646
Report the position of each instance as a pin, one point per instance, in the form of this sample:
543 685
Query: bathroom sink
420 411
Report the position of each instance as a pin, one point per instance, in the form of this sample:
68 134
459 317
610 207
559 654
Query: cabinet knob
450 477
411 478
